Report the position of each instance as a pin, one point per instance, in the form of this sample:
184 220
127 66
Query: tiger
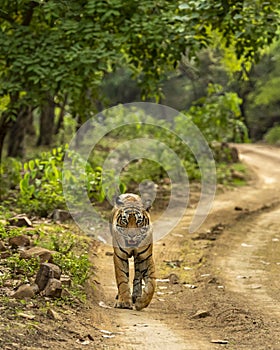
132 236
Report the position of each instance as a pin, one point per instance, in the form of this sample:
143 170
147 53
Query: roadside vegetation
216 62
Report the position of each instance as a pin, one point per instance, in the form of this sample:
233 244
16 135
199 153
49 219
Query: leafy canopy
60 47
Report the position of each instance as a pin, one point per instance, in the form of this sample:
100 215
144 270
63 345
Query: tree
66 47
264 100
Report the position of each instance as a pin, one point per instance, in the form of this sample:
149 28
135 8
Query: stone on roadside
53 288
219 341
5 255
25 291
19 241
201 314
34 252
59 215
2 247
45 273
54 315
65 293
4 252
20 221
65 280
173 278
237 175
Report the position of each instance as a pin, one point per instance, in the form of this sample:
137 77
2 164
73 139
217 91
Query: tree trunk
46 122
30 129
4 127
59 124
17 134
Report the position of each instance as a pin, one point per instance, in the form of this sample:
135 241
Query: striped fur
133 237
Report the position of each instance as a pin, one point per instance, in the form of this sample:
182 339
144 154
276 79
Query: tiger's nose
131 232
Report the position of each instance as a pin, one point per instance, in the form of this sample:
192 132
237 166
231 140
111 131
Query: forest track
236 276
227 290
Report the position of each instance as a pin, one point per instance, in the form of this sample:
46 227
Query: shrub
41 183
272 137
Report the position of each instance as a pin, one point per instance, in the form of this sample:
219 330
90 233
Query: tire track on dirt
254 262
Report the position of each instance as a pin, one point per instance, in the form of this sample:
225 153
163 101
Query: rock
173 278
201 314
234 154
65 281
45 273
20 221
26 316
219 341
5 255
4 252
65 293
237 208
43 254
25 291
224 152
173 263
105 306
59 215
19 241
53 288
54 315
191 286
237 175
2 247
213 280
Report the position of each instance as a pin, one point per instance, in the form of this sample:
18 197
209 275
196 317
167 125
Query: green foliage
57 47
246 26
24 268
217 116
262 107
226 174
41 183
268 85
4 102
72 255
77 266
272 137
10 174
40 186
10 231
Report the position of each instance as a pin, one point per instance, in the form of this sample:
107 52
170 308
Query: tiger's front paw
123 304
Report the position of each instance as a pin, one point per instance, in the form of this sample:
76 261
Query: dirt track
229 269
226 294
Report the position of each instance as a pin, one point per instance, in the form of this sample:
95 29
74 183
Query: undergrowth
71 255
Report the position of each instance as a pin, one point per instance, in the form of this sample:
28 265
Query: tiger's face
131 225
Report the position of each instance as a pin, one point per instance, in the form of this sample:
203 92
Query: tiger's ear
118 201
147 204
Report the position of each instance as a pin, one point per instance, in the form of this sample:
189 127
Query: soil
217 288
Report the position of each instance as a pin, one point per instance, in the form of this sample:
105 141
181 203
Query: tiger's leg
122 278
147 270
137 282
